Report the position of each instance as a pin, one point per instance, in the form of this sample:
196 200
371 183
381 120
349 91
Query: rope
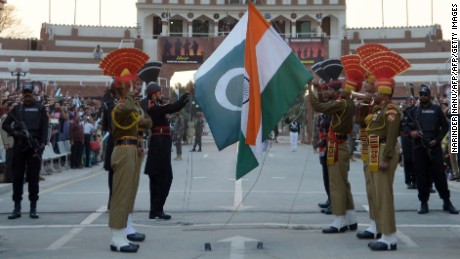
298 190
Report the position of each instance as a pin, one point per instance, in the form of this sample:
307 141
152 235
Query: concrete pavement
278 208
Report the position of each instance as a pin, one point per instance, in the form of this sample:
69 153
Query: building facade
184 33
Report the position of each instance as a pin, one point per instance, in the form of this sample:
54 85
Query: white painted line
78 193
278 177
406 239
64 239
271 155
206 155
200 177
93 216
366 207
73 232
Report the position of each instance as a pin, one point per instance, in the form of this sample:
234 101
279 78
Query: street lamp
18 70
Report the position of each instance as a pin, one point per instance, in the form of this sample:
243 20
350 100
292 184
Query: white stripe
64 239
235 38
271 52
406 239
73 232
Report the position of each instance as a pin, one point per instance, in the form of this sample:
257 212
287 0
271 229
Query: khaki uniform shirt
341 110
125 117
384 121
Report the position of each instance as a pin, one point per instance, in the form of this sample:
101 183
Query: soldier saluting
28 124
338 148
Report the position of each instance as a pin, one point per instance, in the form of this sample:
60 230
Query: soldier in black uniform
406 144
29 118
324 122
148 73
158 165
427 126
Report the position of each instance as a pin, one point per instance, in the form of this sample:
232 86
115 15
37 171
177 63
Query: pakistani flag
256 65
275 77
219 87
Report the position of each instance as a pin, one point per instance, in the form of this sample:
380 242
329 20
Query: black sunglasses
424 94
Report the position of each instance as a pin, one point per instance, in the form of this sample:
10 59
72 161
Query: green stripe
246 159
281 91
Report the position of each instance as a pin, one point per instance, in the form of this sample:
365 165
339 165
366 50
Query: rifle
411 88
31 141
425 141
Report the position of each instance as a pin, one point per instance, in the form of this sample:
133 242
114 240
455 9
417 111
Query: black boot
16 212
423 208
325 204
447 206
33 210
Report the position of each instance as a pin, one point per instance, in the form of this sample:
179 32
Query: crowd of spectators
72 118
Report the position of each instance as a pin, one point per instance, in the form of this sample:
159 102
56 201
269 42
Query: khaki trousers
125 184
383 192
340 189
369 189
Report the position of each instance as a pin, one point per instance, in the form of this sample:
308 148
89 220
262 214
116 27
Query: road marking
206 155
200 177
406 239
258 224
73 232
401 236
278 177
71 182
237 245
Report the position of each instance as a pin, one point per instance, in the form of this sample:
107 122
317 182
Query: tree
10 24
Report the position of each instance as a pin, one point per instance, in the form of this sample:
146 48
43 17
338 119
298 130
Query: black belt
341 136
129 142
161 131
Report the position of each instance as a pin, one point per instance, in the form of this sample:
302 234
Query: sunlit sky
360 13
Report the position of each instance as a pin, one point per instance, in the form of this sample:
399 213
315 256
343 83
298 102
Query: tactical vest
428 120
31 115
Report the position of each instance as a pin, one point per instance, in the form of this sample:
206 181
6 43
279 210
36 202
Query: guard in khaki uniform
338 149
383 130
364 108
127 122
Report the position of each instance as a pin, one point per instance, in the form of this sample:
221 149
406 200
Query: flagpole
75 13
49 11
407 13
383 16
100 5
432 12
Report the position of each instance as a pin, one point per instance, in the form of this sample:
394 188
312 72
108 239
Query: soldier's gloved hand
415 134
19 134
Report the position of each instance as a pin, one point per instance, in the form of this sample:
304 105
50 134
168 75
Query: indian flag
274 77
